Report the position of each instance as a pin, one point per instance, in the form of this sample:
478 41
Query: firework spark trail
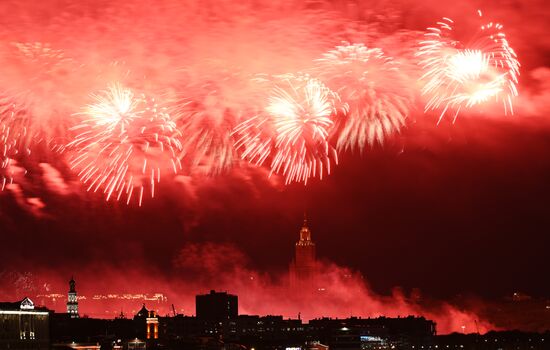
293 129
460 76
20 125
123 143
206 116
50 71
14 138
373 87
34 93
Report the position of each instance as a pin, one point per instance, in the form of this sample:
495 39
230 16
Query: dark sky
450 209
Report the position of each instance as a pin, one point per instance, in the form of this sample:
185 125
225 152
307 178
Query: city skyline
304 282
218 324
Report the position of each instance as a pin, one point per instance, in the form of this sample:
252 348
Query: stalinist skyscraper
303 268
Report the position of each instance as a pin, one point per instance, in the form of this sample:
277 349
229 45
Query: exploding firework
36 85
211 99
206 121
373 87
460 75
14 137
123 143
41 58
293 129
23 121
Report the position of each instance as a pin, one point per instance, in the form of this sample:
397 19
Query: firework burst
460 75
293 129
36 85
373 87
206 121
45 59
14 137
124 143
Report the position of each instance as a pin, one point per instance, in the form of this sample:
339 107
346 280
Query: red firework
14 138
458 75
124 142
293 129
374 88
206 118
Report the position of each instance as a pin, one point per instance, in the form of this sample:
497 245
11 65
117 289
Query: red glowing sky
448 209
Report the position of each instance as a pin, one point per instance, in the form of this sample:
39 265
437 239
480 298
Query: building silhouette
216 306
149 323
303 268
72 302
24 326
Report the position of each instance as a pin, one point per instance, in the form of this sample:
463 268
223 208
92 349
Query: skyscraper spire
305 234
72 285
303 269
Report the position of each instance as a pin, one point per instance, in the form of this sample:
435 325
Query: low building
24 326
148 323
76 346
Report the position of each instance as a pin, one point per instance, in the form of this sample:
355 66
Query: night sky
461 204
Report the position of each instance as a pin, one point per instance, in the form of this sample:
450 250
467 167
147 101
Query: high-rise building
303 268
72 302
217 306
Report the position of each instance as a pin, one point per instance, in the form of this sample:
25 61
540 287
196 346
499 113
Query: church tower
72 302
303 269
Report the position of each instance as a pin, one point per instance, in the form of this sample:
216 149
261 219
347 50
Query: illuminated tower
303 269
72 302
150 323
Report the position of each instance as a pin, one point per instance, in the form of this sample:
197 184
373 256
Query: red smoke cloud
201 267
